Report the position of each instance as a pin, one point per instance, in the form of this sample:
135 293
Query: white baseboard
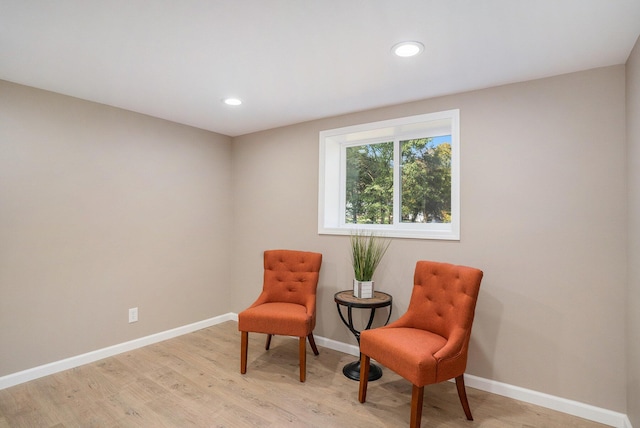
89 357
575 408
627 422
337 346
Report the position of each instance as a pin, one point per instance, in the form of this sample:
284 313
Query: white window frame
332 174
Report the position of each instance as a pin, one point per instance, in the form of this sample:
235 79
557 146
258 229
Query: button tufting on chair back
446 290
290 277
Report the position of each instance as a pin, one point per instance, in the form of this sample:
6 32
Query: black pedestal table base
352 371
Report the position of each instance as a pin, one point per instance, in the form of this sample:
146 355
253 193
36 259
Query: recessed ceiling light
232 101
407 49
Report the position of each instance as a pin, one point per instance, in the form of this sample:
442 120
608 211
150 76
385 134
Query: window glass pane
426 180
369 186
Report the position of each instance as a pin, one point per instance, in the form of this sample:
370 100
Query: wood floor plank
194 381
20 407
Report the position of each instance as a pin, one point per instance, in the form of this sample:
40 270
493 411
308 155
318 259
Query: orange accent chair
429 343
287 305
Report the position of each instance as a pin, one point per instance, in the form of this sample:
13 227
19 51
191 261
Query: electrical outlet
133 315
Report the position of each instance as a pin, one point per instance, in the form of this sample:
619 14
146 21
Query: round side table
347 299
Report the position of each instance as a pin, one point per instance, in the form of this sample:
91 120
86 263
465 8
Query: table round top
378 300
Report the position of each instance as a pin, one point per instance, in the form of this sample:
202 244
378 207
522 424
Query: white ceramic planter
363 289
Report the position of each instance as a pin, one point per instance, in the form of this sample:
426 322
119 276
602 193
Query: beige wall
102 210
543 214
633 301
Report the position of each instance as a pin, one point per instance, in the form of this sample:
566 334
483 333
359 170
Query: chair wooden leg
365 361
268 344
417 395
244 342
312 342
462 393
303 358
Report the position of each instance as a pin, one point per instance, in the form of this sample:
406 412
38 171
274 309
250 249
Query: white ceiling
296 60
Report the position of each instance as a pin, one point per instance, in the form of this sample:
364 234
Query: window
398 177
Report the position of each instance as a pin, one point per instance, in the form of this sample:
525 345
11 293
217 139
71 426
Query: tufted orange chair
287 305
429 343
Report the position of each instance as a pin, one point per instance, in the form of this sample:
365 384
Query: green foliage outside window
370 184
425 182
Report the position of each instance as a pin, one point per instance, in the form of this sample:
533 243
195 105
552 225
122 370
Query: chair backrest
290 276
444 298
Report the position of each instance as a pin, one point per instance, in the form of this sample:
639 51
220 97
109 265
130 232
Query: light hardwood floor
195 381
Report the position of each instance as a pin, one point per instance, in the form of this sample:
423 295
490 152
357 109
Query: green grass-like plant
367 249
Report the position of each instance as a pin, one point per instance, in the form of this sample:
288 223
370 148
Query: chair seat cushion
407 351
285 319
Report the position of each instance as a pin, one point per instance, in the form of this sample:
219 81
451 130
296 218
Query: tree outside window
369 188
426 180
